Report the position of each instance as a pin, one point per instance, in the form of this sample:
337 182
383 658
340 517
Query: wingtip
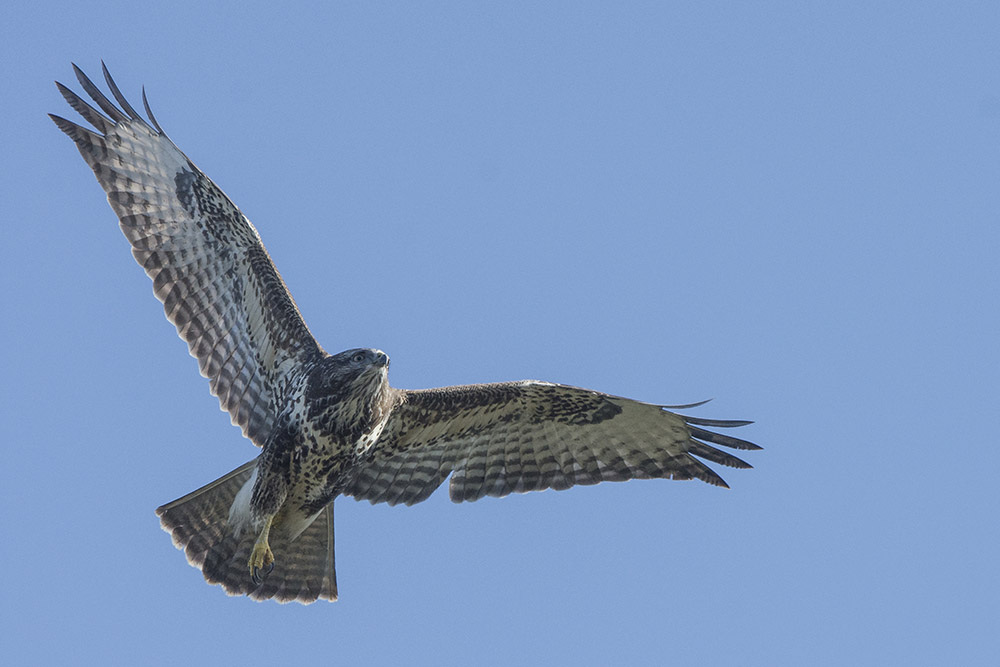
67 126
717 423
104 70
123 102
149 112
686 406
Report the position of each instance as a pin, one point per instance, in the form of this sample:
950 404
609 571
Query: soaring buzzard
331 425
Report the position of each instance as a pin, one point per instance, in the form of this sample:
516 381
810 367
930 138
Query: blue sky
791 208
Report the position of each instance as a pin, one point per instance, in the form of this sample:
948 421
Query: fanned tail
199 524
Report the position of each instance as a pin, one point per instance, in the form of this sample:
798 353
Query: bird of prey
331 425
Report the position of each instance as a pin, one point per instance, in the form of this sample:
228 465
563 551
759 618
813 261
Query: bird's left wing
496 439
208 265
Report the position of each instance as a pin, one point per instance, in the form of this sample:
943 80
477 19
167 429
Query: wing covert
497 439
209 268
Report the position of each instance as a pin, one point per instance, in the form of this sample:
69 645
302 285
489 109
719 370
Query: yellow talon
261 556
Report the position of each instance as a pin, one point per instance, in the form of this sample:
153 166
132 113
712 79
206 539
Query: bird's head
351 368
349 392
350 385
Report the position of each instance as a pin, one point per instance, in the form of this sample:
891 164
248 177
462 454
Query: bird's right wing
208 266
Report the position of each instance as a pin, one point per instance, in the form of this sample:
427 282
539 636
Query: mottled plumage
331 425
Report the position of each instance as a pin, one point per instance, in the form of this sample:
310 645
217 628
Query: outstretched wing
208 266
495 439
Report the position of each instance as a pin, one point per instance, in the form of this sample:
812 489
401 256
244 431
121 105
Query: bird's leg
261 556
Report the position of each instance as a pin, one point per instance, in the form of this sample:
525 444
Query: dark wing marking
495 439
208 266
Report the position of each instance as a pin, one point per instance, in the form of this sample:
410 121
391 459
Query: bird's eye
358 358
